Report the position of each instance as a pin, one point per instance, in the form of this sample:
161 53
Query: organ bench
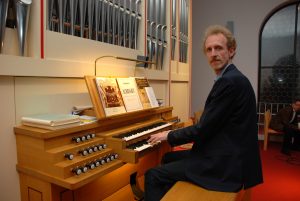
183 191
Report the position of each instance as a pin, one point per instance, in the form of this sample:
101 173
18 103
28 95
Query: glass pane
297 51
278 38
279 84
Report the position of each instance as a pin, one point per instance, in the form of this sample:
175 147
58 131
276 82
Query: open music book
110 96
151 96
141 83
113 96
130 94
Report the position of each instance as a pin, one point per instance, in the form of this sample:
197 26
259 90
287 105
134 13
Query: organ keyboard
143 131
142 145
132 144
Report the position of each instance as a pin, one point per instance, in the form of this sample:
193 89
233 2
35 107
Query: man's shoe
295 148
135 188
286 152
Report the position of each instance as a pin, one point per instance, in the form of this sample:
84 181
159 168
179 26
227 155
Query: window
279 58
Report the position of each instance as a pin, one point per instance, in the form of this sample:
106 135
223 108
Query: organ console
91 161
54 162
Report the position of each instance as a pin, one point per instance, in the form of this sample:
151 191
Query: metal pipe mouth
22 17
28 2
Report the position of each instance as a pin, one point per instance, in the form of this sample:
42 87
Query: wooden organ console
90 162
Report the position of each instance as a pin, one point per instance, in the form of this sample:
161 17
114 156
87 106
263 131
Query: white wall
247 17
9 186
48 95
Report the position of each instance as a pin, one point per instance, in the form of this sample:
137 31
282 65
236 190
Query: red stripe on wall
42 29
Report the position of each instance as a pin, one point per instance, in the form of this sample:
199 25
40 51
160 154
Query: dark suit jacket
282 120
225 155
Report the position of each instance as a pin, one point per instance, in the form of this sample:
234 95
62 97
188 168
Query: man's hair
218 29
297 99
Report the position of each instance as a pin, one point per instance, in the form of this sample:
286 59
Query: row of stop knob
93 164
87 151
83 138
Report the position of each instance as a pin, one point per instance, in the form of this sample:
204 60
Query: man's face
296 106
217 53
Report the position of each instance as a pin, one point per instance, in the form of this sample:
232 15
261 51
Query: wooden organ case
90 162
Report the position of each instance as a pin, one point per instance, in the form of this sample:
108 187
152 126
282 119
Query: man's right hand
158 137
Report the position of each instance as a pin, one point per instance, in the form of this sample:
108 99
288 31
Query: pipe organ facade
58 43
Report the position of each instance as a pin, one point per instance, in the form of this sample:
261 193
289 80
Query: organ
81 162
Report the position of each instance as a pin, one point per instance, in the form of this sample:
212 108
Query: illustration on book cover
110 95
141 83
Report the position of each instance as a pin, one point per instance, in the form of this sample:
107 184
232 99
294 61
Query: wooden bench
268 131
185 191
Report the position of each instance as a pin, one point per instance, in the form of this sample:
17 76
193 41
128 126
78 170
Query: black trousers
289 134
160 179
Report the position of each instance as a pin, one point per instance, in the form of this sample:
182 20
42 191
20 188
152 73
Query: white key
146 146
141 148
146 132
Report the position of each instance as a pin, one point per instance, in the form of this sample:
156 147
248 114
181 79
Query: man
225 153
286 121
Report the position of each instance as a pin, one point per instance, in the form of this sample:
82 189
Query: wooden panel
33 189
34 195
124 193
67 195
180 72
180 100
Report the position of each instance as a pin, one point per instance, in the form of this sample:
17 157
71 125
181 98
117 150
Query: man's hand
158 137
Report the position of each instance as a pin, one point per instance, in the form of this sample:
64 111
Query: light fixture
141 60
